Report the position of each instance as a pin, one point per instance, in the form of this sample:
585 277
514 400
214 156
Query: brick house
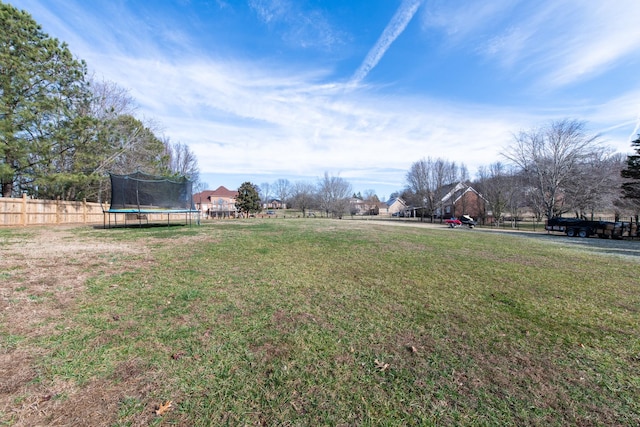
274 204
218 203
358 206
462 199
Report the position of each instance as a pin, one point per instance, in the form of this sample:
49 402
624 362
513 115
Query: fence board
25 211
15 212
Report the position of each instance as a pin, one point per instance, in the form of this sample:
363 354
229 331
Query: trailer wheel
571 232
582 233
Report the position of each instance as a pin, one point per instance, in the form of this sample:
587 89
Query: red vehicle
453 222
464 220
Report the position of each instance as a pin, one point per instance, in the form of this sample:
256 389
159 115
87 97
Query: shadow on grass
143 225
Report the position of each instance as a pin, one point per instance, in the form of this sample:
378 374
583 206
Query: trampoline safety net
141 191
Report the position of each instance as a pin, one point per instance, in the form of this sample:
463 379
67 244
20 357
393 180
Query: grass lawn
315 322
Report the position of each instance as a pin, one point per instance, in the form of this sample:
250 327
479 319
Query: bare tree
303 196
133 145
109 100
370 196
463 173
200 186
334 193
444 174
265 193
181 160
127 143
596 185
282 189
496 185
420 186
550 157
427 180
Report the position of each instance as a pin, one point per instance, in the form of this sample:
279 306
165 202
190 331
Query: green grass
282 322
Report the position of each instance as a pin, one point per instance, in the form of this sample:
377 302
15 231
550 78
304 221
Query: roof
220 192
394 200
450 190
457 191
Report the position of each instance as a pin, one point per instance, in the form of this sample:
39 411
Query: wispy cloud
242 112
270 10
298 27
602 36
552 44
463 21
396 26
241 118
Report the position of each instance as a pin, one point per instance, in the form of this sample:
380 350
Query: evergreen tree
60 133
248 200
631 188
42 90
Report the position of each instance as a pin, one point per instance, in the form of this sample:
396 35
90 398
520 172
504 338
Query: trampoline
140 198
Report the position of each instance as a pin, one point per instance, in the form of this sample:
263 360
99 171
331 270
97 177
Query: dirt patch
64 403
45 271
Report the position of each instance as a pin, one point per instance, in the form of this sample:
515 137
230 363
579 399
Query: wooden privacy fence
15 212
25 211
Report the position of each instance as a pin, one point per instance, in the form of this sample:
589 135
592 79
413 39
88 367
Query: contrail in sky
398 23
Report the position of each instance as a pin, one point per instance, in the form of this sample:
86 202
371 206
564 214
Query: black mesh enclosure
143 192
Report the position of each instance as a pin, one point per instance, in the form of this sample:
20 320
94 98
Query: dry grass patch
315 322
45 271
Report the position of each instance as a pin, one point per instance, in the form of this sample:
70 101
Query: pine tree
631 188
41 88
248 199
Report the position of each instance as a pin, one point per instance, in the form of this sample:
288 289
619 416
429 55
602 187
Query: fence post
23 214
84 211
58 213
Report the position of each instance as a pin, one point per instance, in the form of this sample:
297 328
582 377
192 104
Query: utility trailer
575 227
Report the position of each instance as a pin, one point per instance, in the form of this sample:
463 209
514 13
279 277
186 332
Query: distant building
218 203
274 204
357 206
395 206
462 199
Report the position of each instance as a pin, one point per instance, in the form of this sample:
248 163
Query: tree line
553 170
61 130
330 195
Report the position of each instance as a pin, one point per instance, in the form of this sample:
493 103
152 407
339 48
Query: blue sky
361 89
